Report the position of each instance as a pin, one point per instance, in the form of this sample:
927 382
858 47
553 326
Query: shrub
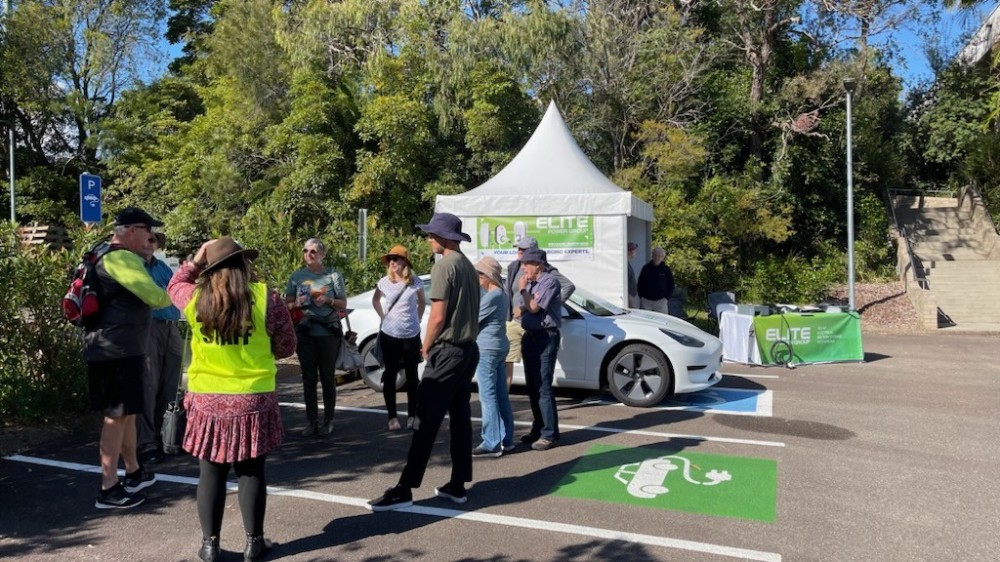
42 372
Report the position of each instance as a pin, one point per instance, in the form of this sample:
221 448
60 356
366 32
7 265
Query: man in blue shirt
163 361
540 314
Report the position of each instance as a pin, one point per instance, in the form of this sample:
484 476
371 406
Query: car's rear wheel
639 375
372 372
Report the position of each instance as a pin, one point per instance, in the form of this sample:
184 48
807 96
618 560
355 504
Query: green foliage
791 279
42 373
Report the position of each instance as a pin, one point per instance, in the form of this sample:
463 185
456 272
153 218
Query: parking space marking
505 520
751 376
597 428
720 400
675 479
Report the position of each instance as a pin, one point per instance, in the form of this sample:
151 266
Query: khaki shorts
514 334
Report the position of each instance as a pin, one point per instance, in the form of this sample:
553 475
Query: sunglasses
394 258
311 252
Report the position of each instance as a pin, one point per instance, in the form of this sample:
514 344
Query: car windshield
594 304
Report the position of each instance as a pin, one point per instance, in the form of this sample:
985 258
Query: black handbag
175 416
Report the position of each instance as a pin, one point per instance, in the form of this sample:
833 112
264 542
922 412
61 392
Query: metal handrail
919 277
976 194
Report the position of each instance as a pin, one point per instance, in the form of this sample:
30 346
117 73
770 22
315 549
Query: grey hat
447 226
526 242
533 255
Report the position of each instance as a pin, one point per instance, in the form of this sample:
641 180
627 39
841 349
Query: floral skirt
232 427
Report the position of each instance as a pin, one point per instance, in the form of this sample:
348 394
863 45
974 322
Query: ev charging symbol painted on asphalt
646 479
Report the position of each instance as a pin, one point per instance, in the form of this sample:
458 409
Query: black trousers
400 353
318 359
446 387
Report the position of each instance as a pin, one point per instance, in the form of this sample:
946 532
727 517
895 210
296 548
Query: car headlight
683 339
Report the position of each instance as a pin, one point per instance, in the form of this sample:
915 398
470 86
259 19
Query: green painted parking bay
717 485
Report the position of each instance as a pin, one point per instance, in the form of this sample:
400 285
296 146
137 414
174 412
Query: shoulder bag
377 350
175 416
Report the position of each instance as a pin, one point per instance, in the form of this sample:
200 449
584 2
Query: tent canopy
551 174
549 182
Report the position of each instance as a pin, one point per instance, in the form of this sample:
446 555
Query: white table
739 343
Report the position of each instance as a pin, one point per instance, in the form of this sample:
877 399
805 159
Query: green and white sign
740 487
567 237
823 337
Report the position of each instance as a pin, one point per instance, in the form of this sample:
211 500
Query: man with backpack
114 346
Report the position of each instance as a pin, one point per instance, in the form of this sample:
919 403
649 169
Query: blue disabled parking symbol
724 401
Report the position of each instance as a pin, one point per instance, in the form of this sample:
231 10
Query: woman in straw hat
498 418
399 301
239 328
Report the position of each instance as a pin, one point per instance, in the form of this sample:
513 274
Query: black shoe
529 438
209 551
326 428
394 498
310 429
257 548
138 480
481 452
151 456
452 491
116 497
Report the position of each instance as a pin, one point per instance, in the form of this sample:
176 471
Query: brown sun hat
221 250
399 251
488 266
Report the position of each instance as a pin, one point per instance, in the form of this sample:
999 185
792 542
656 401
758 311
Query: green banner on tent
562 237
740 487
798 338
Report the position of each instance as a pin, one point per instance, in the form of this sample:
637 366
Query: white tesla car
640 356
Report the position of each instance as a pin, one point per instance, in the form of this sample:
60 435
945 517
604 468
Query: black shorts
116 385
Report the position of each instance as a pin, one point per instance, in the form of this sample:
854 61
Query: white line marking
506 520
751 376
598 428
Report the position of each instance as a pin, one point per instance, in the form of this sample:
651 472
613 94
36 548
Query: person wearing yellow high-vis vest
238 329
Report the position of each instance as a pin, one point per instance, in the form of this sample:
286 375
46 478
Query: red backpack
82 302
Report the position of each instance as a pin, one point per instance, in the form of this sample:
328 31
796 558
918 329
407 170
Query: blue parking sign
90 198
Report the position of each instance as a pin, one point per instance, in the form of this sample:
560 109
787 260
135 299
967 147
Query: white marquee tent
552 191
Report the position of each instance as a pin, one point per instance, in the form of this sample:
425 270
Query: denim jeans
498 418
540 349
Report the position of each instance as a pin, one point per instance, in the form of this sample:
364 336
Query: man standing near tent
452 355
541 318
514 273
656 283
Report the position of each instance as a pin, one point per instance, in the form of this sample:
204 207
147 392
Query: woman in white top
400 311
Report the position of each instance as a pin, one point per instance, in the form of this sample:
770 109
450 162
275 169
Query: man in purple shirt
541 316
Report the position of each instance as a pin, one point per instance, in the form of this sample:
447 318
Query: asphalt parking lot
892 459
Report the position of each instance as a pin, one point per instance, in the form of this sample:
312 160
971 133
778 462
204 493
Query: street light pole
849 88
7 11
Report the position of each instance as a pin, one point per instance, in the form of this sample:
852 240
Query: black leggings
400 353
212 494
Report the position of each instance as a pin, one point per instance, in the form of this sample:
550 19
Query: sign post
90 198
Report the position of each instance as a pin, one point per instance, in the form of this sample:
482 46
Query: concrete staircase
957 250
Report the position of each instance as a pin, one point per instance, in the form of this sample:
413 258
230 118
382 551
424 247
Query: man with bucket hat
452 355
541 318
114 346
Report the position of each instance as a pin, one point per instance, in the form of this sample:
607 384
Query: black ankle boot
209 549
257 548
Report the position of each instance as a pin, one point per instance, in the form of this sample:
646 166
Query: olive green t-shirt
454 279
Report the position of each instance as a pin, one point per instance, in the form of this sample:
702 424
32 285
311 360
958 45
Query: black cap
135 215
533 255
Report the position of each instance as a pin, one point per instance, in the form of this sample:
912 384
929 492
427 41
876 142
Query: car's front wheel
372 372
639 375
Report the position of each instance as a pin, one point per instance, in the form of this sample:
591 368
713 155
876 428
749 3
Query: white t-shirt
402 321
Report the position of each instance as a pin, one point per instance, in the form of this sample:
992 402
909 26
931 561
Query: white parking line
598 428
505 520
751 376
